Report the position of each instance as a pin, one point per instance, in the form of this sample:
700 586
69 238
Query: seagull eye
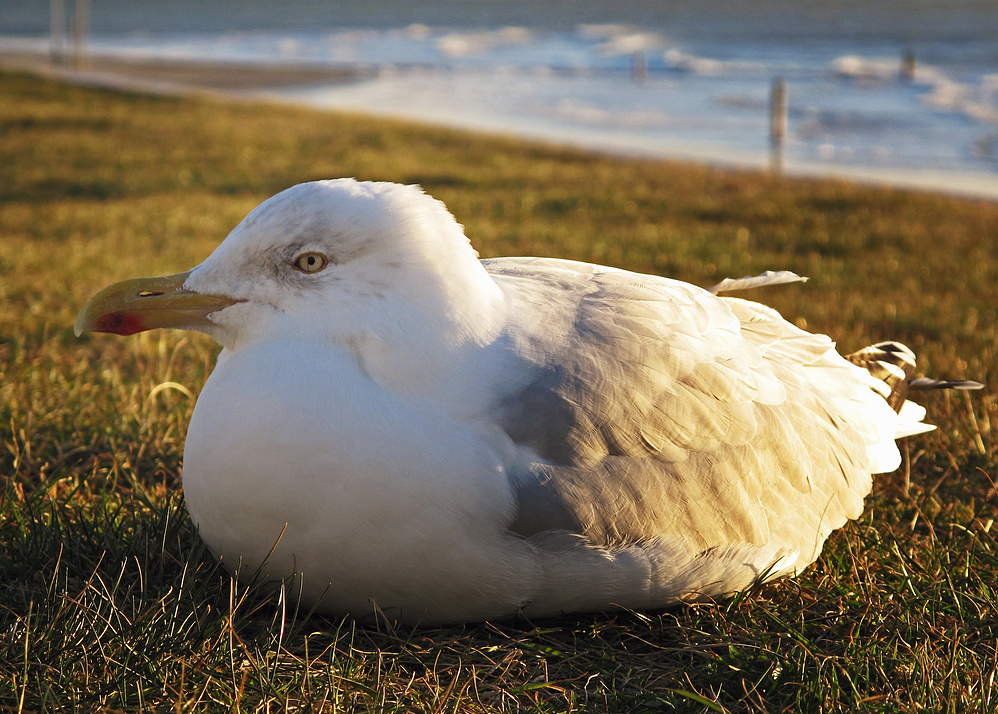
310 262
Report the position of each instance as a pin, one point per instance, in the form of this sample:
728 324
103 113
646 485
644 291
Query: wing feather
648 408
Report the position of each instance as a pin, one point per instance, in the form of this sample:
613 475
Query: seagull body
409 430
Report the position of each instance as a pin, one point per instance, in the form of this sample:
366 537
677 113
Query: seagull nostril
148 293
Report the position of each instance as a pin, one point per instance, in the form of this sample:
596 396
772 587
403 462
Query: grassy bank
109 602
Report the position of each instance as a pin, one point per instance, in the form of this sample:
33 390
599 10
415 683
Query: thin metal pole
57 41
908 63
777 124
81 28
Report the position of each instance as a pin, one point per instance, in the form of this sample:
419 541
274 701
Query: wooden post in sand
908 63
57 38
777 124
639 66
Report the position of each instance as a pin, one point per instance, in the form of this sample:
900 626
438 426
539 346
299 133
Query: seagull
406 431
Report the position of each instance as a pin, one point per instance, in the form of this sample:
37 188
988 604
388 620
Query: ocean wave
464 44
976 100
631 43
880 69
676 59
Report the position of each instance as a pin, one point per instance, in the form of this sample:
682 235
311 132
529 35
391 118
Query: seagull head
375 266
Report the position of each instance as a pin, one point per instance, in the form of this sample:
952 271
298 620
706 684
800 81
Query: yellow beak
147 303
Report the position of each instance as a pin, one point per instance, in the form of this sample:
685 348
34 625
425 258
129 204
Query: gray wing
646 408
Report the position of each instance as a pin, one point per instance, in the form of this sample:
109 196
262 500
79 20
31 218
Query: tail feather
893 364
925 384
910 421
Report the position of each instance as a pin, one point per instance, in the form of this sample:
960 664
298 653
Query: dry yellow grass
109 602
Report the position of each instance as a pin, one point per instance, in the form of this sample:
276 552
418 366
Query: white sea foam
867 68
678 59
630 43
976 99
463 44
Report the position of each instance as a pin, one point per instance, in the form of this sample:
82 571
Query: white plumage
448 439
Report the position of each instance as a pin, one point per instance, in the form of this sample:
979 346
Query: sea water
676 79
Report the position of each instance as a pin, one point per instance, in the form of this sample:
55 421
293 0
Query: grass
108 601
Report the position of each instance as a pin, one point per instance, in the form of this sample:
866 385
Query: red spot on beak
120 323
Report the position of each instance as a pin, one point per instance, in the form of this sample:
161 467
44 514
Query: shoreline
621 144
268 82
178 76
